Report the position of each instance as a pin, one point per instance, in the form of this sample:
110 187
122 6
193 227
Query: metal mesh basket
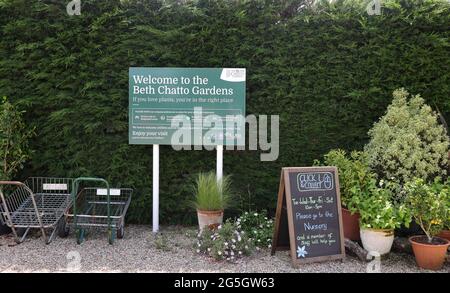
39 203
102 208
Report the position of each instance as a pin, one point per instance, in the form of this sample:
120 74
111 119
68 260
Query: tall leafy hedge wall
328 72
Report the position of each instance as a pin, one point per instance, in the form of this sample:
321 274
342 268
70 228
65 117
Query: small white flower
246 246
233 246
232 240
269 246
232 253
198 250
220 227
239 239
219 252
240 252
255 214
226 243
209 249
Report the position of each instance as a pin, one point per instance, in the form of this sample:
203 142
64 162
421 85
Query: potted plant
379 217
429 207
211 198
355 178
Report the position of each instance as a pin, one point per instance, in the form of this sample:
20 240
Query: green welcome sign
187 106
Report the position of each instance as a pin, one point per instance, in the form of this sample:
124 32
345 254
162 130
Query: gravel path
140 251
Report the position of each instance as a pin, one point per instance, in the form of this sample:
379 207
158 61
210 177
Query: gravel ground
140 251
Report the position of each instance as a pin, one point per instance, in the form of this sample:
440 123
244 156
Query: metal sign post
219 162
155 188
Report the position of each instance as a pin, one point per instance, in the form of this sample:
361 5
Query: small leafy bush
227 242
258 227
408 142
428 204
378 211
355 177
211 195
14 140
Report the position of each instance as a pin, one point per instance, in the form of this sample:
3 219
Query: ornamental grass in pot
428 204
379 216
211 198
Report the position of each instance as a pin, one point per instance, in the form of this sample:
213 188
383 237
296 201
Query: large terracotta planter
351 225
429 256
444 234
377 240
209 218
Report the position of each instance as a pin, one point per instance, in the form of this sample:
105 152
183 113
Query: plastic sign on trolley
187 108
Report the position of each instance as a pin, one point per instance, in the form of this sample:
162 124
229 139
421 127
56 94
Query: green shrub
428 204
378 211
14 140
408 141
355 178
225 243
211 195
258 227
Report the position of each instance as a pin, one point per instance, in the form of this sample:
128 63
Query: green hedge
328 72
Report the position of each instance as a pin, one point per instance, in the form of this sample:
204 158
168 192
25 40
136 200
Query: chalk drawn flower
301 251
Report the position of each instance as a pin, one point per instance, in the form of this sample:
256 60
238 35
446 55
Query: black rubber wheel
80 236
111 236
120 233
63 228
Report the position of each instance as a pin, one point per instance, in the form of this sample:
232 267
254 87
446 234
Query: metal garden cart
94 207
37 203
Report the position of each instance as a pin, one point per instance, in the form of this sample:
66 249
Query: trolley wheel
63 228
80 236
120 232
111 236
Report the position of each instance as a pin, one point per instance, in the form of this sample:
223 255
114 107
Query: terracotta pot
351 225
209 218
377 240
444 234
429 256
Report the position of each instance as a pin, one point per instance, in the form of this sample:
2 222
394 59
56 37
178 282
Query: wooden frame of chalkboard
285 213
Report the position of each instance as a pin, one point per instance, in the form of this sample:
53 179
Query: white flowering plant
379 211
258 226
227 242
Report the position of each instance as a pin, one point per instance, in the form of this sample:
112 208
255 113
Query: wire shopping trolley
37 203
95 207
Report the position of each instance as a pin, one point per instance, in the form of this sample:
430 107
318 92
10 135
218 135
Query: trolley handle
12 183
16 183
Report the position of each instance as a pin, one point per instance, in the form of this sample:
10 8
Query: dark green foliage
328 72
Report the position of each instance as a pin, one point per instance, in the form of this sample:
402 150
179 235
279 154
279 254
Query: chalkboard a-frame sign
308 217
